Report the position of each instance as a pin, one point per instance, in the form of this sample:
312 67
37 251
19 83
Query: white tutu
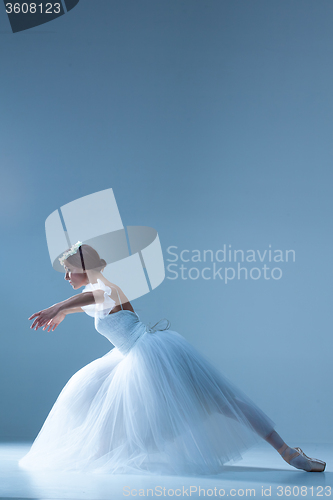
152 405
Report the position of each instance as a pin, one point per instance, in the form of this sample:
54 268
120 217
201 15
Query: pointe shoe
316 465
303 462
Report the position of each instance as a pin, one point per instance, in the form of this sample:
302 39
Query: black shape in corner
70 4
24 15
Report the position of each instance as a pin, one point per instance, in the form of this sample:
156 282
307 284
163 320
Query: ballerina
152 405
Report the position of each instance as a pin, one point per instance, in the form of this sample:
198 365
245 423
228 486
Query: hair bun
91 259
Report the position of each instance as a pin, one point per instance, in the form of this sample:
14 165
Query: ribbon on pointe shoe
312 464
287 456
316 465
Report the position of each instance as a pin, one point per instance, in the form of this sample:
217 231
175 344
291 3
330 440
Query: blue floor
261 473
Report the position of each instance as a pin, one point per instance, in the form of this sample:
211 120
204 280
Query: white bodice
123 328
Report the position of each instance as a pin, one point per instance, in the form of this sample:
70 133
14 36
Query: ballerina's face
75 276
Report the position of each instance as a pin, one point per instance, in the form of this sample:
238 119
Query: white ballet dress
152 405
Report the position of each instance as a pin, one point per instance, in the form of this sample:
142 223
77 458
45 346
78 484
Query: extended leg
293 456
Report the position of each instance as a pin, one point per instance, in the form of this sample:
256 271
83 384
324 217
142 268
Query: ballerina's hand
44 316
54 322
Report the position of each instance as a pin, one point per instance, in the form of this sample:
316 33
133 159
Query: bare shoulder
113 287
114 295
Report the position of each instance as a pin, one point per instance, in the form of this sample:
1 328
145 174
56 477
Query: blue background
212 122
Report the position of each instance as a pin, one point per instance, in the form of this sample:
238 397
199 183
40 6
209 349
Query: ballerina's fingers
48 325
39 322
35 323
34 315
42 323
51 325
37 318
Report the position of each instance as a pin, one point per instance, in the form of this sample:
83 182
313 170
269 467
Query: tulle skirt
161 409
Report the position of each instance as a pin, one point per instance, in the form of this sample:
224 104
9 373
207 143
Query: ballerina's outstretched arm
54 322
42 318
